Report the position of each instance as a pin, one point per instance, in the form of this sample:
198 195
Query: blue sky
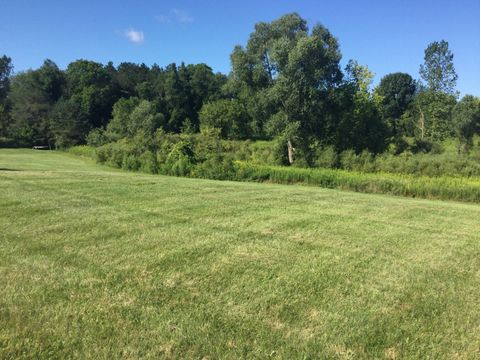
387 35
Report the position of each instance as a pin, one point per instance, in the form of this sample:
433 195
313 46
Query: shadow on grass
7 169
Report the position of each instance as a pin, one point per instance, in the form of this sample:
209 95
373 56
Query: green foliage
326 157
69 125
448 188
431 115
229 116
145 118
447 164
118 126
148 162
361 126
82 150
205 156
6 69
396 93
130 162
285 76
97 137
286 85
259 152
90 84
4 121
180 160
133 115
216 167
438 70
33 95
466 117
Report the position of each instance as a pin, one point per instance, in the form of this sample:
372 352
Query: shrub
82 150
216 167
97 137
148 162
181 159
326 157
130 162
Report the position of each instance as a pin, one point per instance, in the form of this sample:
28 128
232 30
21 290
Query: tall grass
443 187
82 150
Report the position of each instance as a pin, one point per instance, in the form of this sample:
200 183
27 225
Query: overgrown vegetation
205 155
285 85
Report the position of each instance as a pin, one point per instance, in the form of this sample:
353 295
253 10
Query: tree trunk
421 124
291 151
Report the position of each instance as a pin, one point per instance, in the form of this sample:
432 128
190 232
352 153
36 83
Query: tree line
286 84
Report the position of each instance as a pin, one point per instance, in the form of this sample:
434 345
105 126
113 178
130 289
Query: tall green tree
434 104
229 116
128 76
290 73
68 124
308 72
177 97
6 69
431 115
91 85
466 117
33 96
133 115
361 126
256 68
438 70
397 91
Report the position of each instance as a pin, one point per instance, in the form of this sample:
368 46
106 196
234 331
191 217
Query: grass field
100 263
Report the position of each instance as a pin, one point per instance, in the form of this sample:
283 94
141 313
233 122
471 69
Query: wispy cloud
134 36
182 16
177 16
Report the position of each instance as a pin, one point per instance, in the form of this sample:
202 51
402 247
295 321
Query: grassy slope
102 263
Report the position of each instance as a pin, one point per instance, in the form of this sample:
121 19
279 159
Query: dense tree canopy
466 117
285 84
33 95
6 69
397 92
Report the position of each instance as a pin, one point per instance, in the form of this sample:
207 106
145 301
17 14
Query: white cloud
134 36
175 15
182 16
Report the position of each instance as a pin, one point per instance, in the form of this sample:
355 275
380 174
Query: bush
326 157
421 146
148 162
181 159
130 162
216 167
97 137
82 150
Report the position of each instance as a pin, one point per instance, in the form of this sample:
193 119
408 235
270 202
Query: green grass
100 263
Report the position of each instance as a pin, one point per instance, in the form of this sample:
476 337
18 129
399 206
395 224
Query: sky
387 36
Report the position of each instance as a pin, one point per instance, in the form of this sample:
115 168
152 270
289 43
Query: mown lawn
100 263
